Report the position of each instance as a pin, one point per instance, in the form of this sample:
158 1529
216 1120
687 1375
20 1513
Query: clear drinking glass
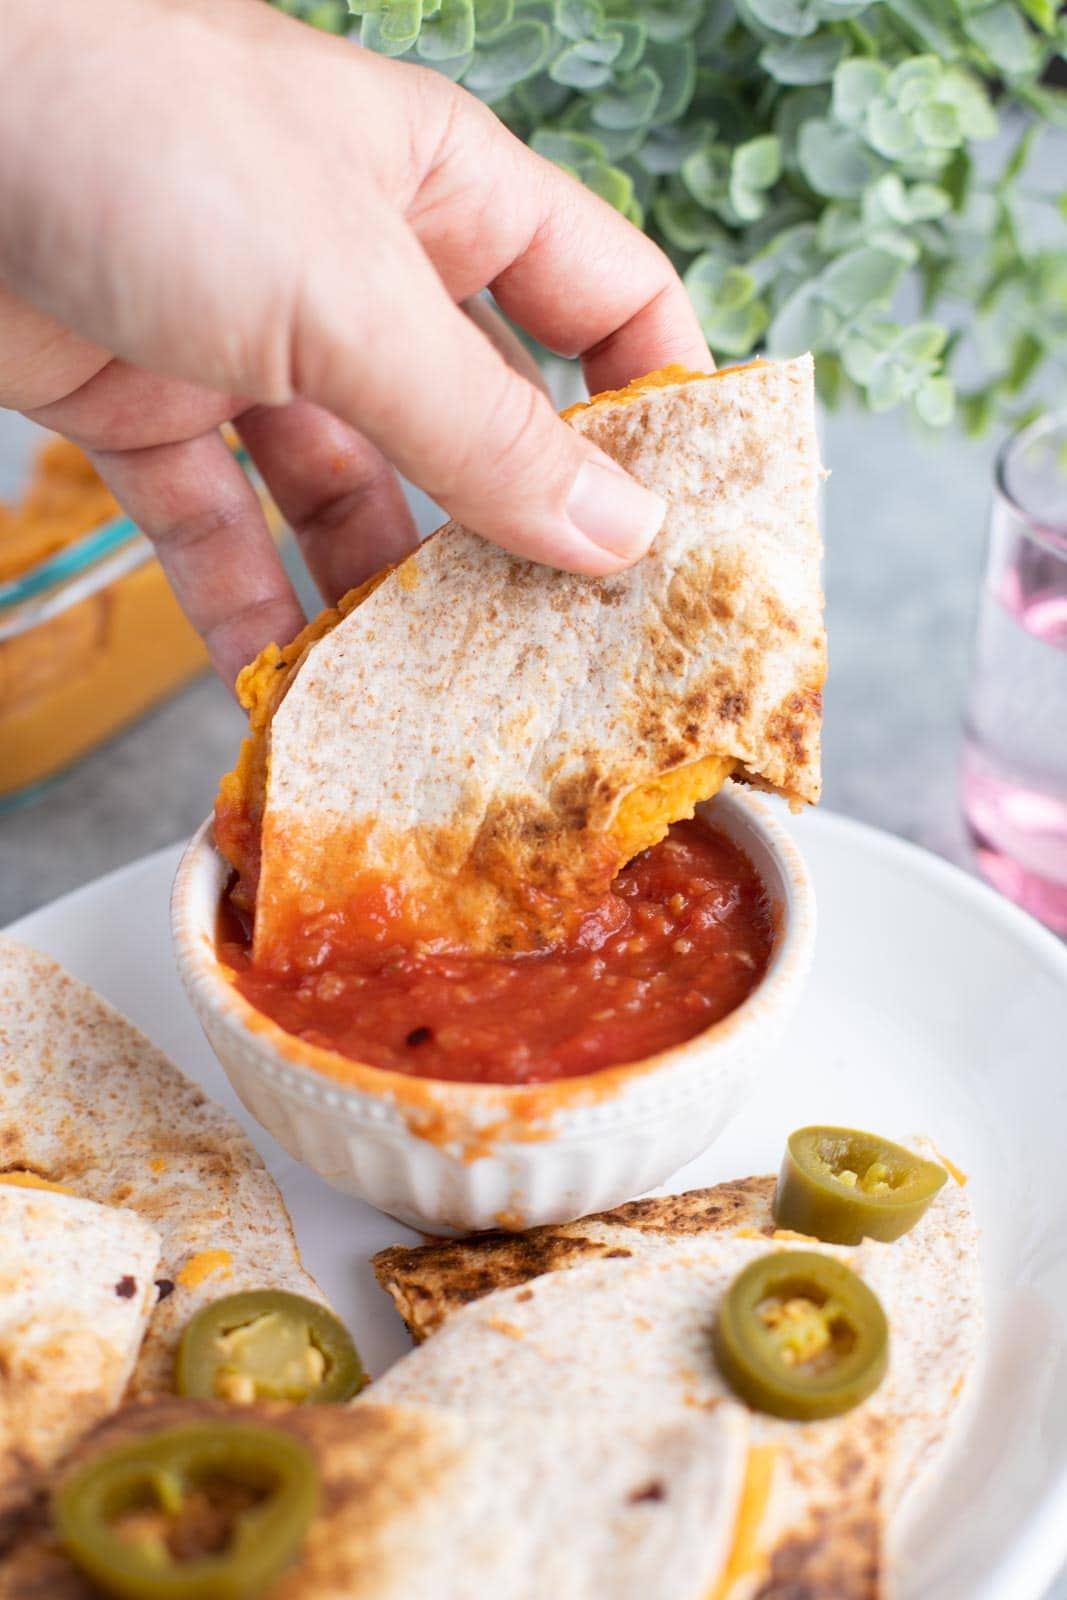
1015 759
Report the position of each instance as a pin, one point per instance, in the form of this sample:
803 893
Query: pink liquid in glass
1015 760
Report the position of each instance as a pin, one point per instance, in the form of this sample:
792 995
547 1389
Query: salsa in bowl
553 1091
683 937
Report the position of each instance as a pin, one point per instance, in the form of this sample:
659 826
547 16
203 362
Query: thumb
441 402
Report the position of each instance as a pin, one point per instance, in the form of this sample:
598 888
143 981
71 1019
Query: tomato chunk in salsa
681 940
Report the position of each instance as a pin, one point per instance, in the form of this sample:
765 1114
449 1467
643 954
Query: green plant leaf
393 27
839 229
518 53
616 144
632 103
450 33
716 286
665 148
720 17
811 60
959 88
841 10
610 183
538 98
857 84
331 16
1027 353
860 278
860 359
687 226
919 18
674 64
935 402
938 125
736 333
922 343
757 164
914 82
977 410
888 385
566 148
927 201
1049 102
725 301
805 322
829 381
832 159
669 19
890 131
1043 12
490 16
790 259
890 200
795 18
586 65
577 19
1002 34
706 174
633 35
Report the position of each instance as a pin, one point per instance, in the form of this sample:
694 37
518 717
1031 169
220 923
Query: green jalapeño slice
842 1186
207 1511
800 1336
266 1344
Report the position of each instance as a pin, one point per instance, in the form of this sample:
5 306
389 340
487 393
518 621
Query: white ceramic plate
933 1006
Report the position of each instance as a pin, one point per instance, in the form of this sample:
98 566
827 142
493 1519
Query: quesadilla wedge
429 1282
427 1504
471 746
90 1104
637 1333
77 1285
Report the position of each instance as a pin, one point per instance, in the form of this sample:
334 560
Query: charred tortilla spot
126 1287
165 1288
650 1492
429 1282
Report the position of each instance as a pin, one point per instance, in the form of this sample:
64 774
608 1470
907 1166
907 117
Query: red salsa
681 940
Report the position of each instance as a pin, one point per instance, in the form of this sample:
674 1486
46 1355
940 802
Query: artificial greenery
803 162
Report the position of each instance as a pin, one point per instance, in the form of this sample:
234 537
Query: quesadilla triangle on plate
429 1282
471 747
90 1104
427 1504
77 1285
635 1334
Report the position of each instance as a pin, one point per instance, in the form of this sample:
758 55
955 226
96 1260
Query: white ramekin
453 1156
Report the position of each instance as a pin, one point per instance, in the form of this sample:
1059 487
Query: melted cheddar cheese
746 1555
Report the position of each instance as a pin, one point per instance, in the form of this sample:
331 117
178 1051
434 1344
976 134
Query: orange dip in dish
681 940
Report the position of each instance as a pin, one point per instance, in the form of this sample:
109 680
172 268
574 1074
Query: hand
210 212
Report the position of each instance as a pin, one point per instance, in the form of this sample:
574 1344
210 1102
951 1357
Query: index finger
560 261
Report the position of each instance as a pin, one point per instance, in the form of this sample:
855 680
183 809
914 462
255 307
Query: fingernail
613 512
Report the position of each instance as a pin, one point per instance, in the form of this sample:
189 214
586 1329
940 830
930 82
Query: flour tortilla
429 1282
424 1504
635 1334
469 729
88 1102
76 1290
